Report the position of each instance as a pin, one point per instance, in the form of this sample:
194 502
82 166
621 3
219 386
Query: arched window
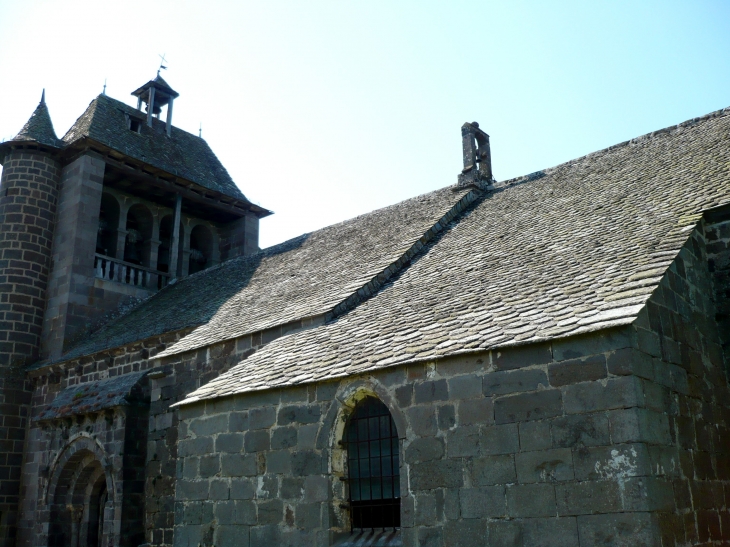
373 473
201 245
106 236
139 233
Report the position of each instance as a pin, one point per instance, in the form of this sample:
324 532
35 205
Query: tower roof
39 127
183 154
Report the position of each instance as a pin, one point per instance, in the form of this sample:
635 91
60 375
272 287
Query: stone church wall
686 415
503 445
150 470
620 437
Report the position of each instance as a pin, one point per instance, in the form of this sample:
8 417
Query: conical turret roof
39 127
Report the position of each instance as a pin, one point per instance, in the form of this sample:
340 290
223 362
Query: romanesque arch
163 254
350 396
201 248
106 237
139 234
80 497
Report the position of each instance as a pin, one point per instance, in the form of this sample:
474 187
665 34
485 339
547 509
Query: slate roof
304 277
95 396
39 127
576 248
181 154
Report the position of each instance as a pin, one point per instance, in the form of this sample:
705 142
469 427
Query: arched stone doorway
80 498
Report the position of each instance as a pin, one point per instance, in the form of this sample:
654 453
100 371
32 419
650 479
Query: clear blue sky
323 110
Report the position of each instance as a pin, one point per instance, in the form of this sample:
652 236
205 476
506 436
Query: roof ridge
373 286
639 139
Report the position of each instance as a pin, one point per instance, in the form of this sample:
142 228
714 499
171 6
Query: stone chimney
477 157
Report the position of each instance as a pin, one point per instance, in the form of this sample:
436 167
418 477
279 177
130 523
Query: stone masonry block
476 412
580 430
483 502
302 414
504 382
611 462
307 462
239 465
425 510
623 392
292 488
530 500
308 515
436 474
278 461
191 490
463 441
232 536
316 488
491 470
424 449
428 392
256 441
536 435
242 489
550 532
210 465
500 439
506 533
544 466
518 357
307 436
465 533
591 344
261 418
422 420
283 437
229 442
270 511
577 370
209 425
465 387
219 489
636 529
586 498
536 405
628 361
647 494
639 425
446 417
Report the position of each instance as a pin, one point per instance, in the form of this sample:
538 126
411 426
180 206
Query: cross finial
162 63
103 91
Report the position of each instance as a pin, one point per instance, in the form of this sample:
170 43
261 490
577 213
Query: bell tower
155 94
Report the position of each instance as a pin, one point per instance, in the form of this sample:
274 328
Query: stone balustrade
112 269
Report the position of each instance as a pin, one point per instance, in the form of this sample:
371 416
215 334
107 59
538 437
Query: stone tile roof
572 249
95 396
181 154
304 277
39 128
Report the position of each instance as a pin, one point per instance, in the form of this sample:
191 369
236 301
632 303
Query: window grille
373 477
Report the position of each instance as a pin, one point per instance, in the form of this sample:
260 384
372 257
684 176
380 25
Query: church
539 361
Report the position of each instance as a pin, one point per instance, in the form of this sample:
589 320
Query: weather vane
162 63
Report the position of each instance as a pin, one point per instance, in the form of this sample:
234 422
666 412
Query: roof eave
85 142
